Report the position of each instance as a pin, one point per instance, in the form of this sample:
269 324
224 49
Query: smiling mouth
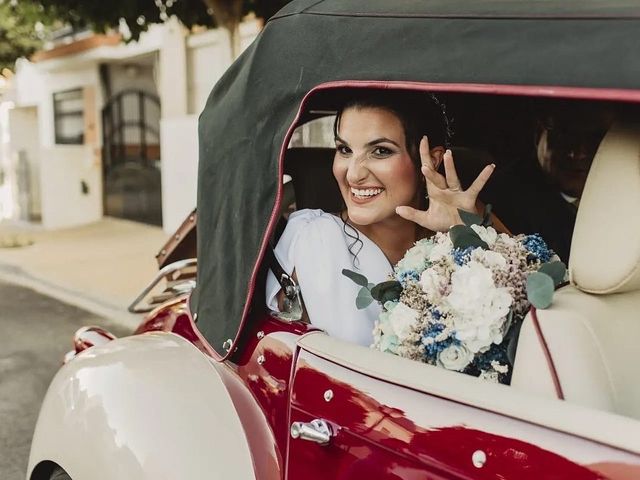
365 193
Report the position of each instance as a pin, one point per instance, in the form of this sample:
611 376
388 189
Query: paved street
35 332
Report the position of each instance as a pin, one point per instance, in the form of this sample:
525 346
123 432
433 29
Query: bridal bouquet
456 300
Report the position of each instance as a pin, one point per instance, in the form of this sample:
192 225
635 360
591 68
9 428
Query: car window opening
543 149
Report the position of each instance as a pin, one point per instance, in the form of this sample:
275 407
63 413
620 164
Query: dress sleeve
289 249
314 244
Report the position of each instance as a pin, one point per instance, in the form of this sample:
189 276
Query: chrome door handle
315 431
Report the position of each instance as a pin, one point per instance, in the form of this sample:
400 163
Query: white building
97 127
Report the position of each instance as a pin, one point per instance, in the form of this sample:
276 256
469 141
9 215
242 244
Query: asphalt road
35 333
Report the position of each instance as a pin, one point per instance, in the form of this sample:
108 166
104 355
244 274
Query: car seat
584 348
312 178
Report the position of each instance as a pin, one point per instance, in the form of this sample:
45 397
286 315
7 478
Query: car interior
582 349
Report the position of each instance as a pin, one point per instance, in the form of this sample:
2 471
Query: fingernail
493 165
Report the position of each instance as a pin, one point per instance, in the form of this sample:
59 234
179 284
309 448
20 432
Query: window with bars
68 113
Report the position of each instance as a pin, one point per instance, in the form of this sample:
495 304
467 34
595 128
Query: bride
389 145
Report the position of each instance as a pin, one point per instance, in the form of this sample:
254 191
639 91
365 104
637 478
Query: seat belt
292 305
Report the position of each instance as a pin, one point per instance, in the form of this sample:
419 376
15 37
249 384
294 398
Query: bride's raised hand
445 193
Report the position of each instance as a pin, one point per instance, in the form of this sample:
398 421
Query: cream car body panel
108 412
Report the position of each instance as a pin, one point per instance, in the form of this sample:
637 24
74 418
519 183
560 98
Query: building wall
179 147
25 157
65 200
181 68
207 56
7 200
71 187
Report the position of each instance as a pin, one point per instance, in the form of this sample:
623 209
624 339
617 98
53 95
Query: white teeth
368 192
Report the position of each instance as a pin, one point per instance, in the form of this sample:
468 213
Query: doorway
131 156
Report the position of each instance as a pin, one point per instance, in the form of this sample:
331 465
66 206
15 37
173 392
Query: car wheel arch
102 402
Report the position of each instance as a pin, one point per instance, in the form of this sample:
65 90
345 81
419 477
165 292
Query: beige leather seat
585 348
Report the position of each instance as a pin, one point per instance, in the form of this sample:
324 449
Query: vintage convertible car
213 385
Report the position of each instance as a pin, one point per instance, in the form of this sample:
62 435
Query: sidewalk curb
117 314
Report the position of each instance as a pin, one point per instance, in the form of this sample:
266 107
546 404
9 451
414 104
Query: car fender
148 406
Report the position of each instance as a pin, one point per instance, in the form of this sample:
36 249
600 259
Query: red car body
383 421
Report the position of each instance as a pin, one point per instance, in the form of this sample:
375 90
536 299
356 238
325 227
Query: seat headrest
605 250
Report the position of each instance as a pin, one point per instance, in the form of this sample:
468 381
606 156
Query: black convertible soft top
561 43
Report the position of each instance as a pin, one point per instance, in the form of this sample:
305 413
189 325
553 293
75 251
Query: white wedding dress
315 244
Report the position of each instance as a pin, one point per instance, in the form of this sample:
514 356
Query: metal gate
131 156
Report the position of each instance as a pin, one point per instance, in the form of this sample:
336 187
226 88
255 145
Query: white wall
7 200
62 171
207 56
29 84
133 74
62 167
179 167
23 122
172 78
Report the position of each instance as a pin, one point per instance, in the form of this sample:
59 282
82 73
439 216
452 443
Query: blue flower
404 276
462 255
537 247
496 353
431 346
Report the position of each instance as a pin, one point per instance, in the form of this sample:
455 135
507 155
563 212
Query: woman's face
372 165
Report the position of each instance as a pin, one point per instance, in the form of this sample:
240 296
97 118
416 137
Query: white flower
507 240
489 375
433 284
384 323
388 343
441 250
455 357
478 307
487 234
402 319
389 305
416 257
384 337
499 367
489 258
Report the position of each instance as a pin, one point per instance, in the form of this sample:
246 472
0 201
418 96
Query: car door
382 430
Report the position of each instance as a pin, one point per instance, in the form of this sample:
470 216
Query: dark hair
420 114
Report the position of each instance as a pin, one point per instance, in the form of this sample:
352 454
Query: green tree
24 23
22 27
101 15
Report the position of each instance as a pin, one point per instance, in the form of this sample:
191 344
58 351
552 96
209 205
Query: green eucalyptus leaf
469 218
364 298
463 237
540 289
388 291
356 278
486 217
556 270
